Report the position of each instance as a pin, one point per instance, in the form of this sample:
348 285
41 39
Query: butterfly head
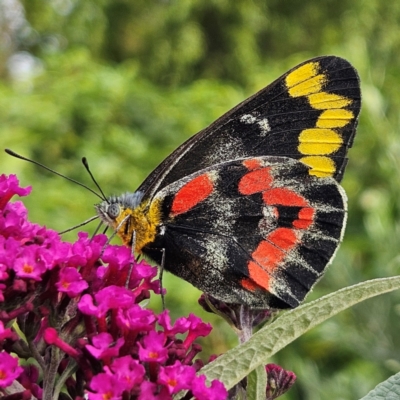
112 211
131 218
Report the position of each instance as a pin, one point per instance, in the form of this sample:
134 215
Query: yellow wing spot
336 118
310 86
319 141
143 221
320 166
323 139
326 101
302 73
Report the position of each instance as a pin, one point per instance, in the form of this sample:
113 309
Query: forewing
257 231
310 114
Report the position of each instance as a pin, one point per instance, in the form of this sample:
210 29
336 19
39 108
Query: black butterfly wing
310 114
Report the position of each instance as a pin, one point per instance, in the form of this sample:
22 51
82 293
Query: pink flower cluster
77 309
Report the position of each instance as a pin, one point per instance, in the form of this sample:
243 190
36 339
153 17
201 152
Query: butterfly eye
113 210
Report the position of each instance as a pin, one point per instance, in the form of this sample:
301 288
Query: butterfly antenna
13 154
86 164
79 225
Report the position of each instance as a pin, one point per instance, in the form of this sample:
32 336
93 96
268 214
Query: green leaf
233 366
256 384
387 390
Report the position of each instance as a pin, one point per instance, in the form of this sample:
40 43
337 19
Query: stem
51 374
37 356
71 368
246 323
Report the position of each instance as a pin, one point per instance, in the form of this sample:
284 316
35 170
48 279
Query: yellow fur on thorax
143 220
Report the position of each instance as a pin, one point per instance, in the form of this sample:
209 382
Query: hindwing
258 231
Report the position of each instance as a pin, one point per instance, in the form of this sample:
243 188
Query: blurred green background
125 82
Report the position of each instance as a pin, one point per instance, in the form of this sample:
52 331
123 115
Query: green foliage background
124 82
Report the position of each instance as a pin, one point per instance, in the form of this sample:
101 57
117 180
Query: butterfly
250 210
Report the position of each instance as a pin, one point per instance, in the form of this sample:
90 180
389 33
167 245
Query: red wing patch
255 181
305 218
251 286
252 163
284 197
191 194
269 254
